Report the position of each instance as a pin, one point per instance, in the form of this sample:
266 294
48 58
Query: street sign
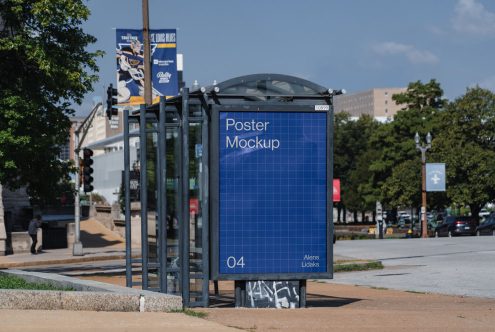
435 177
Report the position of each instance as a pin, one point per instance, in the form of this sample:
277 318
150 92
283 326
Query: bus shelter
234 184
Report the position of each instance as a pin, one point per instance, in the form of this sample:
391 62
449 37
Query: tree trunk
475 210
362 215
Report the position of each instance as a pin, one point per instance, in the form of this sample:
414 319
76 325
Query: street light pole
423 149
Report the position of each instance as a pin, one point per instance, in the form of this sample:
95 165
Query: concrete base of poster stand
279 294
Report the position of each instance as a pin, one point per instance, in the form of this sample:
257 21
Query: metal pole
162 196
205 210
77 249
424 227
147 55
144 196
185 196
127 188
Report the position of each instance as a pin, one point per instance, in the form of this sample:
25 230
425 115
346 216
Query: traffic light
111 101
87 170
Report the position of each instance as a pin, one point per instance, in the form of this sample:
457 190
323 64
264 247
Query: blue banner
130 65
273 192
435 177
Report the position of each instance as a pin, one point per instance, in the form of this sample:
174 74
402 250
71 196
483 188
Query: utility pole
148 96
77 249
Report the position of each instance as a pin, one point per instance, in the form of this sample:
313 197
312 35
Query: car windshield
451 219
489 221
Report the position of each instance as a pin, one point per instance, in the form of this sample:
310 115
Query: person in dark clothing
33 232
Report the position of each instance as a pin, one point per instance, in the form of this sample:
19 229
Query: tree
360 195
467 146
341 159
395 147
45 68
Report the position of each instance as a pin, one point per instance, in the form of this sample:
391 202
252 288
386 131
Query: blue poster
435 177
273 192
130 65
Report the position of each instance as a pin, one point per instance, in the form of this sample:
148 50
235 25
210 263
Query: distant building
105 138
102 128
377 103
67 150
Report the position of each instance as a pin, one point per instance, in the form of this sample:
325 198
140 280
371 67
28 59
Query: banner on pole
130 65
435 177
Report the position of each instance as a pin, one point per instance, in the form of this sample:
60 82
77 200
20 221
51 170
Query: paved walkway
52 321
457 266
330 306
99 244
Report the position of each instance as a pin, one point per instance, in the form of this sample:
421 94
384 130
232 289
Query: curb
88 296
82 259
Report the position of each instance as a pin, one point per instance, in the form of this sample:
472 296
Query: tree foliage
381 162
467 146
359 194
395 146
45 68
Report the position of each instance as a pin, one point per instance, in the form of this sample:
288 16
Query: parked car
403 221
487 227
484 213
453 225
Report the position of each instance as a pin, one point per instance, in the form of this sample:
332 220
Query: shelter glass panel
151 188
173 164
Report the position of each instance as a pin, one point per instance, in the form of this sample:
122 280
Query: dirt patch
352 308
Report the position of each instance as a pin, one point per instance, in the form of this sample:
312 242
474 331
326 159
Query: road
456 266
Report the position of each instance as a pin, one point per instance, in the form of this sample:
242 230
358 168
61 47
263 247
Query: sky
354 45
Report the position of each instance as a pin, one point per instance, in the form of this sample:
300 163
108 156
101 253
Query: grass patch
374 265
349 261
249 329
415 292
354 236
14 282
192 313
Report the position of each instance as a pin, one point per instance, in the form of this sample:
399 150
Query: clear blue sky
352 44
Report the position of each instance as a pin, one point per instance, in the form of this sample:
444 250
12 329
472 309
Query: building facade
377 103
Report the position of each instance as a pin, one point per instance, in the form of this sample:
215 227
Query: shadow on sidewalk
227 300
96 240
318 301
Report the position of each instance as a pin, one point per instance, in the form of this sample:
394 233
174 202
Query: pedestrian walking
33 232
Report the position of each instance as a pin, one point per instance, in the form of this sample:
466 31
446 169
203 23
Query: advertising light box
273 194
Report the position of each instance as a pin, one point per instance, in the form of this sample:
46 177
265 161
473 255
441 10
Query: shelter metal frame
196 106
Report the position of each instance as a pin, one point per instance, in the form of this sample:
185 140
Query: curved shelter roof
270 84
258 87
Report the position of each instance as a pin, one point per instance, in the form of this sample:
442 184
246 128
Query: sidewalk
99 244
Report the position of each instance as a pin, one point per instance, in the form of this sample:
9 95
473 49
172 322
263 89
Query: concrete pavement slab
75 321
458 266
